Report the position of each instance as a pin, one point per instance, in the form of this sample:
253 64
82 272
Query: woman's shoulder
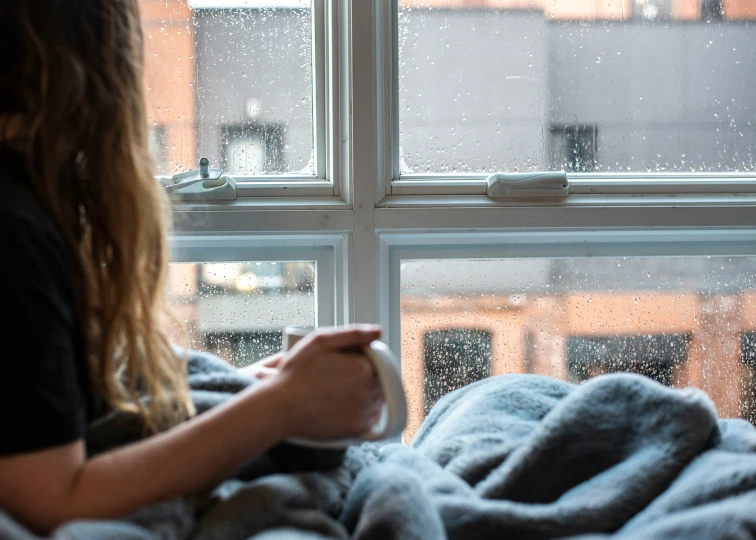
24 224
36 258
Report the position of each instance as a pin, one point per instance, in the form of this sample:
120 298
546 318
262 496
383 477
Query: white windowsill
575 200
253 202
265 215
616 183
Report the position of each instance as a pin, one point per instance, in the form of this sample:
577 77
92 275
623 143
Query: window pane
238 310
679 320
231 81
600 86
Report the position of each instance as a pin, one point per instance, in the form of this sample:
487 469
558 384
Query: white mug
393 418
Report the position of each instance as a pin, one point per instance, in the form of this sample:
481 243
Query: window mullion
368 152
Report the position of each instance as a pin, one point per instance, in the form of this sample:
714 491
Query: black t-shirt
45 394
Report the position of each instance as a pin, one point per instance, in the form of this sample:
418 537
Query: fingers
263 369
265 372
330 372
362 364
353 337
272 361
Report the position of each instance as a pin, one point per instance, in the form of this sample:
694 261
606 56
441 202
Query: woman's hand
263 369
332 390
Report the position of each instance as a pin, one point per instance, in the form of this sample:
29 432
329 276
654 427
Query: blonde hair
77 80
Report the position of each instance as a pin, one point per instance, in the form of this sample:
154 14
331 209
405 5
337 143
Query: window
253 149
361 135
211 64
653 10
158 148
748 351
454 358
238 310
660 357
480 84
677 320
712 10
573 148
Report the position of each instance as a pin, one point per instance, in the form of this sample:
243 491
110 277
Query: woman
84 247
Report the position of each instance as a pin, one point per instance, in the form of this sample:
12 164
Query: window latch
528 185
203 184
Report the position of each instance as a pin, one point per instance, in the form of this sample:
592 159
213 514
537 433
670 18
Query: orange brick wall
740 9
170 76
686 10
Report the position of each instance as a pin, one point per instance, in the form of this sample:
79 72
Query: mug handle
394 415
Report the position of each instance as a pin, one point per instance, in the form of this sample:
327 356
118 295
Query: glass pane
599 86
238 310
231 81
679 320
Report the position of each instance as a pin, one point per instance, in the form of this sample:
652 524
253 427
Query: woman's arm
321 392
45 489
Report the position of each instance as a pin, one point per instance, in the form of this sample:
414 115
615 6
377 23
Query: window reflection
230 81
599 86
683 321
238 310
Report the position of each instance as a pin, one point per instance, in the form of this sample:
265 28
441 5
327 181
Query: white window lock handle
528 185
203 184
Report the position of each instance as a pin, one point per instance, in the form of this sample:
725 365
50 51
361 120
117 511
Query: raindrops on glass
238 310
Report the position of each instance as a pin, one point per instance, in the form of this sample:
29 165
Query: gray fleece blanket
516 456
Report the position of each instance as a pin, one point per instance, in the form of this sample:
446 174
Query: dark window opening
712 10
253 149
453 359
652 10
574 148
748 356
159 148
654 356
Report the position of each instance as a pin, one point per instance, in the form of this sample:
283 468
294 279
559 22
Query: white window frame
330 111
400 185
327 252
544 244
372 217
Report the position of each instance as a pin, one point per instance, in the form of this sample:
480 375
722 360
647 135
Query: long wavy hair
72 73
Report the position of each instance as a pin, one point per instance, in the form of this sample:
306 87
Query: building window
238 310
573 148
652 10
159 148
748 355
654 356
253 149
454 358
712 10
